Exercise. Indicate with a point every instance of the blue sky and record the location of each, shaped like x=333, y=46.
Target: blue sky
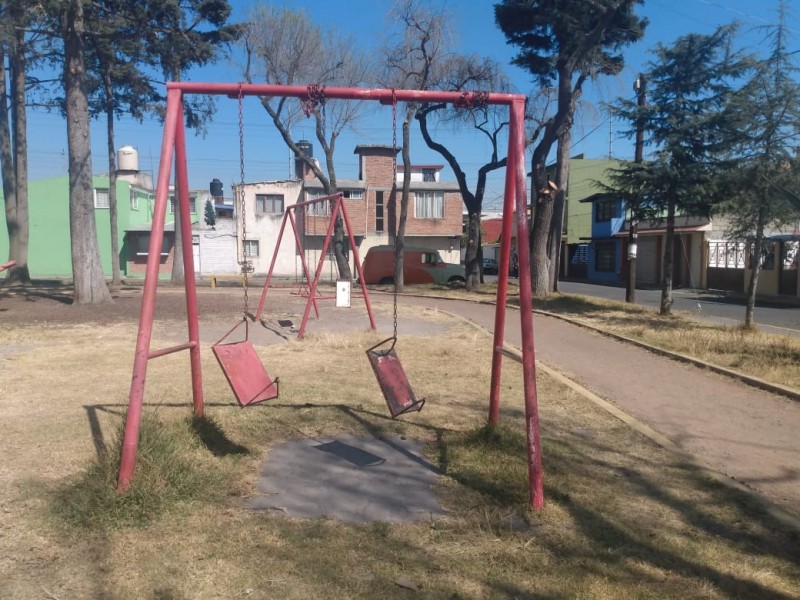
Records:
x=267, y=157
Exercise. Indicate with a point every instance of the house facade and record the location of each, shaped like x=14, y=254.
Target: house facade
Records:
x=49, y=247
x=434, y=210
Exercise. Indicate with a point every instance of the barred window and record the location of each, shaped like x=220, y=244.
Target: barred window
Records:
x=101, y=198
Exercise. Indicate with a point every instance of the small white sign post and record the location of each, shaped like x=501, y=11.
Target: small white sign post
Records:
x=342, y=293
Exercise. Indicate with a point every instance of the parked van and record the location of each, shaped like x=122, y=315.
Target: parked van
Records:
x=420, y=265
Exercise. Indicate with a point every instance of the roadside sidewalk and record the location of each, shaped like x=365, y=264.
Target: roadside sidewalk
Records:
x=746, y=433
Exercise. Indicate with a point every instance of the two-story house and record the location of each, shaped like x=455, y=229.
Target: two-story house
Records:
x=434, y=211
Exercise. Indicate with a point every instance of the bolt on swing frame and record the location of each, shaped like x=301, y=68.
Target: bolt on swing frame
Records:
x=514, y=204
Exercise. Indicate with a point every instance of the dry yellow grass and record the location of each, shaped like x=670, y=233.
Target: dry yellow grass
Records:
x=624, y=518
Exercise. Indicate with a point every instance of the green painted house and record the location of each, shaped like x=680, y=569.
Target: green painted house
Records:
x=583, y=177
x=49, y=252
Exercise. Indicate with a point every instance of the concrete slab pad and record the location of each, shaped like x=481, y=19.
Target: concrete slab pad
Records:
x=352, y=479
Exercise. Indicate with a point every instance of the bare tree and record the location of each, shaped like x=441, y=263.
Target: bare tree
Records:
x=284, y=47
x=469, y=73
x=415, y=59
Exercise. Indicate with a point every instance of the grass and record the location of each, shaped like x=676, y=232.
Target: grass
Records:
x=623, y=518
x=775, y=358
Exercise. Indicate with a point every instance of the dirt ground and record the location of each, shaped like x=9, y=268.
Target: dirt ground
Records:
x=219, y=309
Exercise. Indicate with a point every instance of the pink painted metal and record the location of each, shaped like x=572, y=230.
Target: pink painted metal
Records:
x=516, y=148
x=244, y=370
x=173, y=140
x=7, y=265
x=391, y=376
x=188, y=263
x=135, y=399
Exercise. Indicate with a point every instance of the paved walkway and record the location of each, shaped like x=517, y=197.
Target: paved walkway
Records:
x=747, y=433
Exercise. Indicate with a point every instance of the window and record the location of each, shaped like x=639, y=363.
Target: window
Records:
x=378, y=211
x=134, y=200
x=429, y=205
x=353, y=194
x=430, y=258
x=251, y=247
x=318, y=209
x=143, y=244
x=428, y=175
x=101, y=198
x=605, y=210
x=605, y=257
x=789, y=254
x=192, y=204
x=269, y=203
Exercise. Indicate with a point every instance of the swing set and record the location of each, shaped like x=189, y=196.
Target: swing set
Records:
x=239, y=361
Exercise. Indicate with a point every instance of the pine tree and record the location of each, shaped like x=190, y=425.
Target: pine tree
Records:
x=209, y=216
x=690, y=122
x=765, y=168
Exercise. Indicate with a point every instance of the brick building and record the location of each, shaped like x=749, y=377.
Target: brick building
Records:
x=434, y=210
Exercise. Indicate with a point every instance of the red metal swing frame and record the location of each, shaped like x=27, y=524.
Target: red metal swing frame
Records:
x=339, y=208
x=514, y=207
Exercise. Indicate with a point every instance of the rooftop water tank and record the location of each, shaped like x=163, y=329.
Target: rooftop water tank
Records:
x=127, y=159
x=216, y=188
x=305, y=147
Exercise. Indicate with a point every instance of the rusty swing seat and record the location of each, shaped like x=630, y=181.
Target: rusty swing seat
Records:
x=391, y=376
x=244, y=370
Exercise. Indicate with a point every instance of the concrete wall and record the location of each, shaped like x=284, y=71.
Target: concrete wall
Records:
x=265, y=227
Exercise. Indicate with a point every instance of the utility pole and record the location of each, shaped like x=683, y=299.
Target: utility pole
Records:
x=633, y=224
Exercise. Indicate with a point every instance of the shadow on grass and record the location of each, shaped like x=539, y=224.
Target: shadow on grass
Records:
x=214, y=439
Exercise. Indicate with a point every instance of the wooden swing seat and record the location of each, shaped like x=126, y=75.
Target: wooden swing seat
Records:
x=391, y=376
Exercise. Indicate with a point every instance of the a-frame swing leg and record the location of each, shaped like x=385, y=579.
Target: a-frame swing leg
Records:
x=173, y=131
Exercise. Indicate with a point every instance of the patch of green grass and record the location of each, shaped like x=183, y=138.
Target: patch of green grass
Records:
x=168, y=474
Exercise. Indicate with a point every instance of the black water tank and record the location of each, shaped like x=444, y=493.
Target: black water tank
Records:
x=216, y=188
x=305, y=147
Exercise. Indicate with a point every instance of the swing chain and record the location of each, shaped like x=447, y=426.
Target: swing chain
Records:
x=394, y=189
x=246, y=265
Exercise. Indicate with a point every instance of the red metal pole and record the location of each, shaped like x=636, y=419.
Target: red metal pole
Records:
x=517, y=138
x=358, y=267
x=271, y=266
x=502, y=284
x=188, y=263
x=384, y=96
x=318, y=274
x=301, y=251
x=133, y=418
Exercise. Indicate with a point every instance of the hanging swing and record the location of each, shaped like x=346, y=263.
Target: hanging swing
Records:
x=241, y=365
x=389, y=372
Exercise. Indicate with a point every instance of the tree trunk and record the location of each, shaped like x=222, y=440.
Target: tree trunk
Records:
x=473, y=255
x=14, y=159
x=542, y=218
x=87, y=272
x=559, y=202
x=752, y=287
x=339, y=241
x=669, y=244
x=116, y=275
x=399, y=240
